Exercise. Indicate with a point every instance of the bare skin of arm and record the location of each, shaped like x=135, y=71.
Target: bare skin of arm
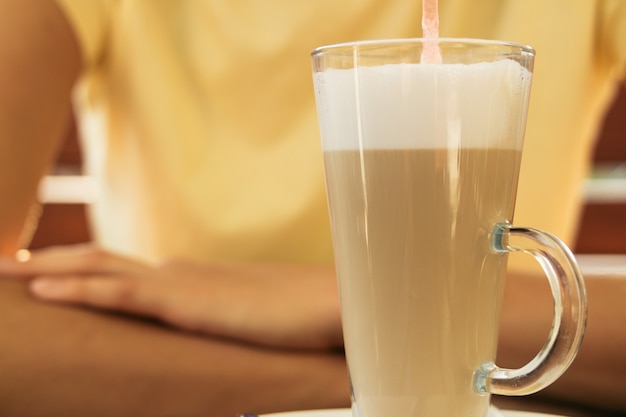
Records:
x=58, y=361
x=274, y=305
x=597, y=377
x=40, y=62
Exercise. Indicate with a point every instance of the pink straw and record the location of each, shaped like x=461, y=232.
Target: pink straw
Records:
x=430, y=31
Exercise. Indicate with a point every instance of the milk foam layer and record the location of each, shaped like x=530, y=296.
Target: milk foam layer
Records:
x=423, y=106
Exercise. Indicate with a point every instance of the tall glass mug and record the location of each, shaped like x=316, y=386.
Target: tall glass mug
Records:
x=422, y=164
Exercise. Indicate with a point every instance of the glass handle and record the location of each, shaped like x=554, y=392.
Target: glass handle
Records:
x=570, y=314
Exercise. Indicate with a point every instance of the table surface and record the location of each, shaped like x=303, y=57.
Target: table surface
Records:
x=508, y=407
x=548, y=407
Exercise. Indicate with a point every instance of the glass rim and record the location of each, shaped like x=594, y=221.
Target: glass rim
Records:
x=328, y=49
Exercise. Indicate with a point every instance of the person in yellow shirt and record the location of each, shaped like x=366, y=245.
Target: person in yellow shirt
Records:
x=198, y=124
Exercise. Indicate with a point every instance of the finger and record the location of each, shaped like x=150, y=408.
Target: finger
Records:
x=120, y=294
x=74, y=259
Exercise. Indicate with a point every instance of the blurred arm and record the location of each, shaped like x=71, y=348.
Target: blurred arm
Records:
x=70, y=362
x=40, y=63
x=597, y=377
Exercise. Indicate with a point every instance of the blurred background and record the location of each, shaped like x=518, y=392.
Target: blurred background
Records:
x=65, y=193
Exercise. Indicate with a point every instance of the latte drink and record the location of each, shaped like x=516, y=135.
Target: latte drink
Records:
x=419, y=282
x=421, y=162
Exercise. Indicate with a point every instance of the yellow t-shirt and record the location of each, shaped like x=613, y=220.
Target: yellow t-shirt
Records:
x=199, y=125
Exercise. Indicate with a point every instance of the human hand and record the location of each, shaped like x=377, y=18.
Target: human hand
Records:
x=276, y=305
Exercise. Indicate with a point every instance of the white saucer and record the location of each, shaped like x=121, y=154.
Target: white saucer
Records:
x=345, y=412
